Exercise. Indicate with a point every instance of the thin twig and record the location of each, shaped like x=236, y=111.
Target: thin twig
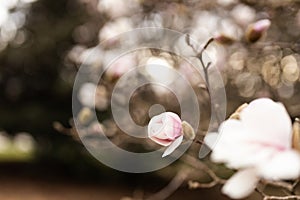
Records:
x=205, y=47
x=200, y=165
x=281, y=184
x=175, y=183
x=295, y=183
x=196, y=184
x=267, y=197
x=205, y=69
x=188, y=41
x=260, y=192
x=281, y=197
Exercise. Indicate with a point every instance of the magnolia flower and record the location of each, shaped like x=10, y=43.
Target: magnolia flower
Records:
x=166, y=130
x=259, y=144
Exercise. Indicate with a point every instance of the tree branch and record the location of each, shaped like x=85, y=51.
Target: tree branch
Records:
x=175, y=183
x=200, y=165
x=281, y=198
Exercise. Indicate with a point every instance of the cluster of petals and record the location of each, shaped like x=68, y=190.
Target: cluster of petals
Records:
x=166, y=130
x=258, y=145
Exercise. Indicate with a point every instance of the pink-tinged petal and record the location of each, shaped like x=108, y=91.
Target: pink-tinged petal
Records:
x=165, y=128
x=249, y=155
x=173, y=115
x=267, y=121
x=262, y=25
x=283, y=165
x=173, y=146
x=233, y=147
x=163, y=142
x=241, y=184
x=155, y=125
x=162, y=135
x=173, y=128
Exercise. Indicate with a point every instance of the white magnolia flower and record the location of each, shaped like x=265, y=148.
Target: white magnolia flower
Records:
x=259, y=144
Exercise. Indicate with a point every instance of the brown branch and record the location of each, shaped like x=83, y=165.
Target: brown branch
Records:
x=205, y=68
x=281, y=198
x=261, y=192
x=200, y=165
x=281, y=184
x=175, y=183
x=295, y=182
x=188, y=41
x=196, y=184
x=199, y=55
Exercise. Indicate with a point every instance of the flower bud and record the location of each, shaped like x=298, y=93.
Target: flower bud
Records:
x=296, y=134
x=188, y=131
x=166, y=130
x=256, y=30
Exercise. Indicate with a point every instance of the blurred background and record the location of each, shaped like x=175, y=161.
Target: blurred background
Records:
x=44, y=42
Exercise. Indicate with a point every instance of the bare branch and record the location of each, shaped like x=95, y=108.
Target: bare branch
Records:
x=196, y=163
x=281, y=198
x=175, y=183
x=188, y=41
x=196, y=184
x=295, y=183
x=199, y=55
x=281, y=184
x=260, y=192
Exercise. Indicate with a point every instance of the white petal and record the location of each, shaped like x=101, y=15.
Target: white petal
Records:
x=283, y=165
x=228, y=144
x=211, y=139
x=249, y=155
x=241, y=184
x=229, y=134
x=173, y=127
x=156, y=125
x=267, y=121
x=173, y=146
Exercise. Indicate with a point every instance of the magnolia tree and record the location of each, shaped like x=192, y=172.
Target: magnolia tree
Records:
x=155, y=87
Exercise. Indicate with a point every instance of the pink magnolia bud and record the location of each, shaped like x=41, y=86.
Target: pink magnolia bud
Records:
x=166, y=130
x=256, y=30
